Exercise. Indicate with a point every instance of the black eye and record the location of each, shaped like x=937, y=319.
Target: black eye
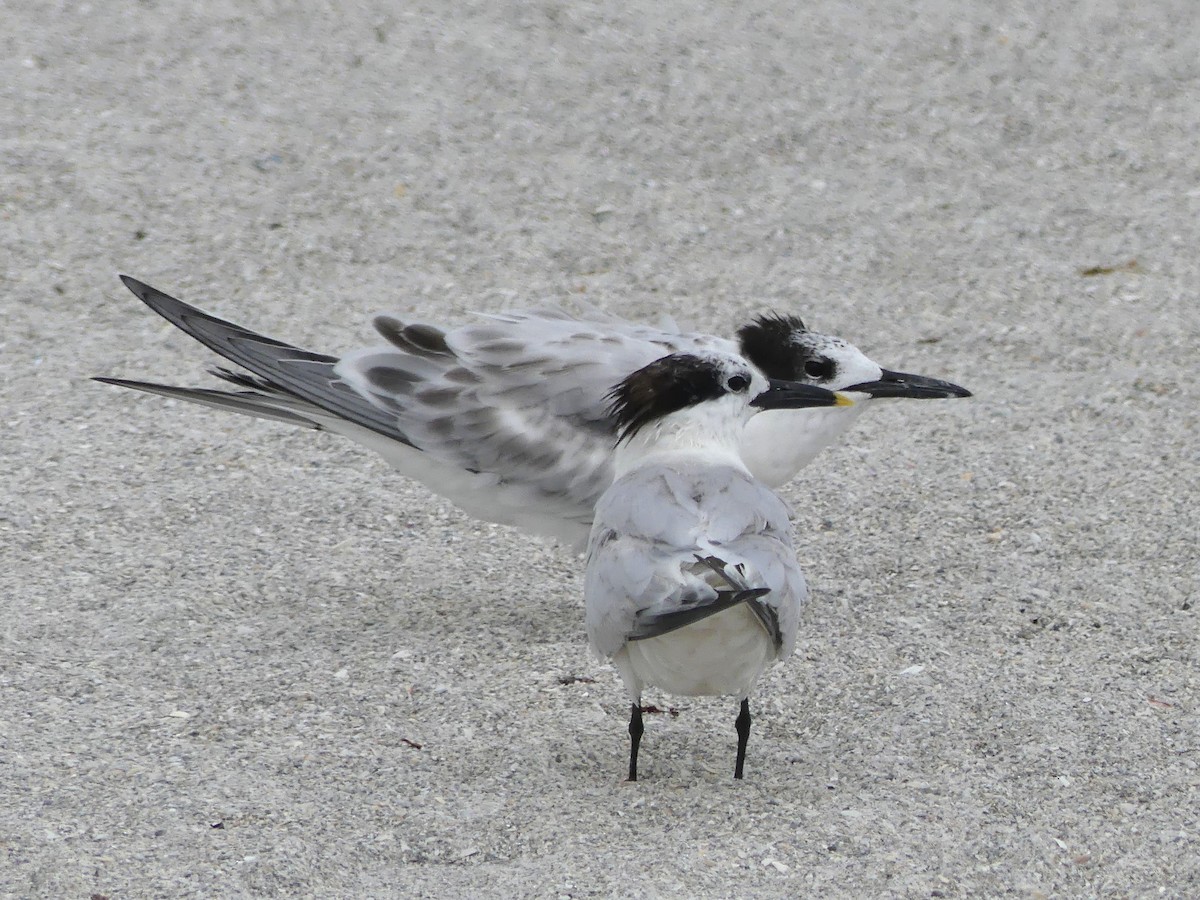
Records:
x=819, y=368
x=738, y=383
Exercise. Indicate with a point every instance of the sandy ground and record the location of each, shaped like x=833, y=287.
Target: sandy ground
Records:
x=239, y=660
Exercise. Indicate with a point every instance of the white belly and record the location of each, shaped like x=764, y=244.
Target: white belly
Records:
x=723, y=655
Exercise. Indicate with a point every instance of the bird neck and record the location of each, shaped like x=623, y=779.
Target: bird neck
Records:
x=715, y=438
x=779, y=442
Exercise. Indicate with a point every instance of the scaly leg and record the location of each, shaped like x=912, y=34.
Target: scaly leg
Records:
x=635, y=738
x=743, y=731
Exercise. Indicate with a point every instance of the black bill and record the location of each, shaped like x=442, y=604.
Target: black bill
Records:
x=902, y=384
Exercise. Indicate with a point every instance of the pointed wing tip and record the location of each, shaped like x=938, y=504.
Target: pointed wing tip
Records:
x=124, y=382
x=133, y=284
x=171, y=308
x=152, y=297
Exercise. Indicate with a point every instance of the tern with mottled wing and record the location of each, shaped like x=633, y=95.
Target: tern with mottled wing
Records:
x=506, y=417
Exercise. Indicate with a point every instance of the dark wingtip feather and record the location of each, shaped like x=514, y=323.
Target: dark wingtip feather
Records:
x=282, y=367
x=649, y=626
x=132, y=283
x=245, y=379
x=250, y=403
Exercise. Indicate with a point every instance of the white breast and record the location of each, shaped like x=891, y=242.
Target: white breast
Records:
x=778, y=443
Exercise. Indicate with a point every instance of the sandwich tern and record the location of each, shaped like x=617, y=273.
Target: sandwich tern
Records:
x=506, y=417
x=692, y=584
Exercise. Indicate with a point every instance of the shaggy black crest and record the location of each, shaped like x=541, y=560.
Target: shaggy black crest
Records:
x=767, y=342
x=665, y=386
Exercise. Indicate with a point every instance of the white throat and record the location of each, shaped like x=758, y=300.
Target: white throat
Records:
x=712, y=430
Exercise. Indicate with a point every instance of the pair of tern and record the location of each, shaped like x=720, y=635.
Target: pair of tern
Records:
x=654, y=447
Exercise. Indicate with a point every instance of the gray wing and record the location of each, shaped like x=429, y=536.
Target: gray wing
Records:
x=649, y=529
x=260, y=404
x=521, y=395
x=506, y=417
x=512, y=395
x=293, y=385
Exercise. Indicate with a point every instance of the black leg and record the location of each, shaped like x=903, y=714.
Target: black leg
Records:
x=743, y=729
x=635, y=739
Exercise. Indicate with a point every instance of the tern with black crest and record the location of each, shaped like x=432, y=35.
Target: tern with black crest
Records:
x=692, y=584
x=506, y=417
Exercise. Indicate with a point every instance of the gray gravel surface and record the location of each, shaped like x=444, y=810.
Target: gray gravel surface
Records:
x=239, y=660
